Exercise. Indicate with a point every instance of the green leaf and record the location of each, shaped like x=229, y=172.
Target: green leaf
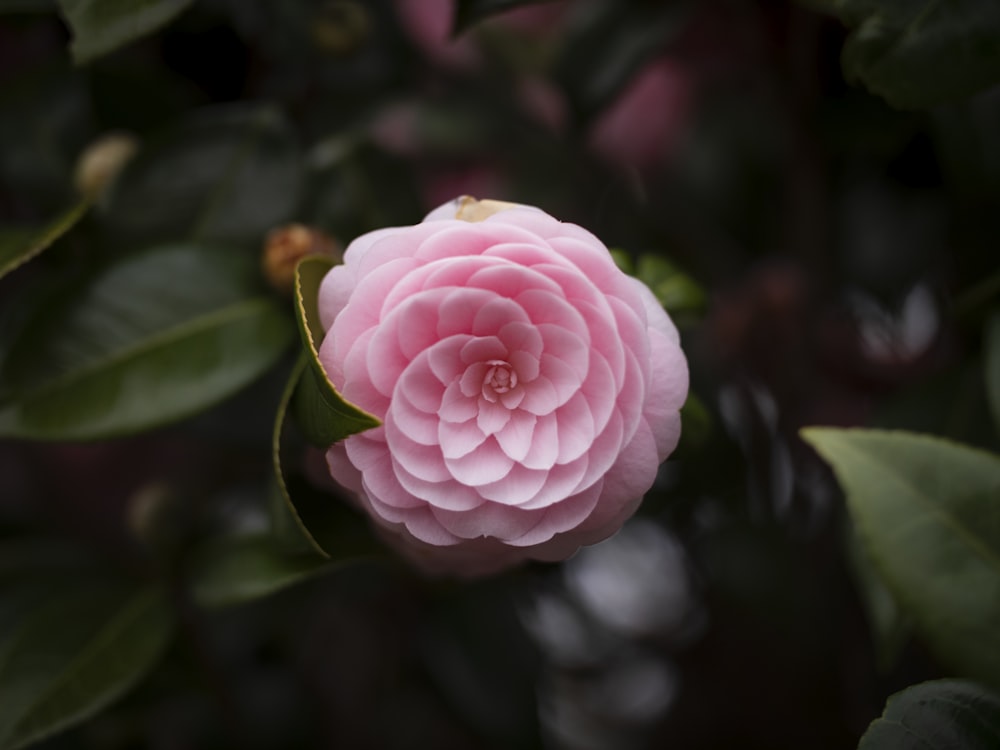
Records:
x=928, y=513
x=470, y=12
x=234, y=570
x=18, y=246
x=100, y=26
x=321, y=412
x=157, y=337
x=74, y=655
x=919, y=53
x=993, y=365
x=302, y=513
x=223, y=174
x=939, y=715
x=675, y=290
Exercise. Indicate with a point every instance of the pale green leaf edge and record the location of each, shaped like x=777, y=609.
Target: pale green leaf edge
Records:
x=308, y=330
x=279, y=475
x=43, y=239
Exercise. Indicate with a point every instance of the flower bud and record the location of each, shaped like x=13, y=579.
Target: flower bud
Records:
x=285, y=246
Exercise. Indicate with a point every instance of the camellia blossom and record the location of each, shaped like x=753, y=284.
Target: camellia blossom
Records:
x=528, y=388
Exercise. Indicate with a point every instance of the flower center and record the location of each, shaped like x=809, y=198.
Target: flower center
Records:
x=500, y=377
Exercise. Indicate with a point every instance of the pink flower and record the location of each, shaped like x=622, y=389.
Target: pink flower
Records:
x=528, y=388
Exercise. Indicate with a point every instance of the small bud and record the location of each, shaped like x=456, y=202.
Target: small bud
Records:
x=102, y=161
x=286, y=246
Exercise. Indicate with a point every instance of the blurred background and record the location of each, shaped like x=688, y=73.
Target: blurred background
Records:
x=826, y=256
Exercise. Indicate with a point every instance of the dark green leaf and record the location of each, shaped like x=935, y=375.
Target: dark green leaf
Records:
x=927, y=512
x=240, y=569
x=21, y=245
x=302, y=513
x=74, y=655
x=228, y=174
x=992, y=350
x=939, y=715
x=469, y=12
x=322, y=413
x=160, y=336
x=918, y=53
x=100, y=26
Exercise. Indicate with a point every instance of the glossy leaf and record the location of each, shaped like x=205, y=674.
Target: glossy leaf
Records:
x=939, y=715
x=322, y=413
x=101, y=26
x=157, y=337
x=229, y=174
x=993, y=365
x=918, y=53
x=304, y=514
x=74, y=655
x=470, y=12
x=241, y=569
x=927, y=512
x=19, y=246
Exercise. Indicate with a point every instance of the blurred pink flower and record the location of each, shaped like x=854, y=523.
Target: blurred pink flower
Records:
x=528, y=388
x=644, y=125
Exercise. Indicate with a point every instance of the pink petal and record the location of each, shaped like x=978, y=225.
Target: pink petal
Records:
x=422, y=461
x=509, y=280
x=522, y=336
x=668, y=390
x=420, y=386
x=600, y=390
x=548, y=307
x=416, y=424
x=540, y=396
x=495, y=315
x=544, y=448
x=576, y=429
x=561, y=517
x=561, y=481
x=454, y=240
x=564, y=379
x=415, y=322
x=445, y=359
x=490, y=520
x=471, y=383
x=513, y=398
x=458, y=439
x=456, y=406
x=484, y=465
x=458, y=310
x=592, y=258
x=492, y=417
x=515, y=437
x=449, y=494
x=518, y=486
x=341, y=468
x=566, y=345
x=380, y=483
x=482, y=349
